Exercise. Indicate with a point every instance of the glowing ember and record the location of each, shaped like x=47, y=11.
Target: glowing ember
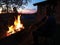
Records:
x=16, y=27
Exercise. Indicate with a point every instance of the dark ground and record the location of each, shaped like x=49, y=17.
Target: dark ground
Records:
x=58, y=35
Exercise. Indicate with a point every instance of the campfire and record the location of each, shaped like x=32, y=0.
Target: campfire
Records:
x=17, y=26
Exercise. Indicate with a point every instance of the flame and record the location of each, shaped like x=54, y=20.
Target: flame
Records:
x=0, y=10
x=16, y=27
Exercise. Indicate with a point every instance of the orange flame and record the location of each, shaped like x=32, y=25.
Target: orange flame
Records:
x=16, y=27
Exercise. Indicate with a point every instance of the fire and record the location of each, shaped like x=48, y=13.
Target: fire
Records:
x=0, y=10
x=16, y=27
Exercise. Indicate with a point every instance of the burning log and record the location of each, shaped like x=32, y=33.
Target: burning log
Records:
x=13, y=39
x=18, y=26
x=21, y=37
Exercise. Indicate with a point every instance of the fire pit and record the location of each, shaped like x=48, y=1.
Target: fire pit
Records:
x=16, y=34
x=13, y=34
x=18, y=26
x=13, y=39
